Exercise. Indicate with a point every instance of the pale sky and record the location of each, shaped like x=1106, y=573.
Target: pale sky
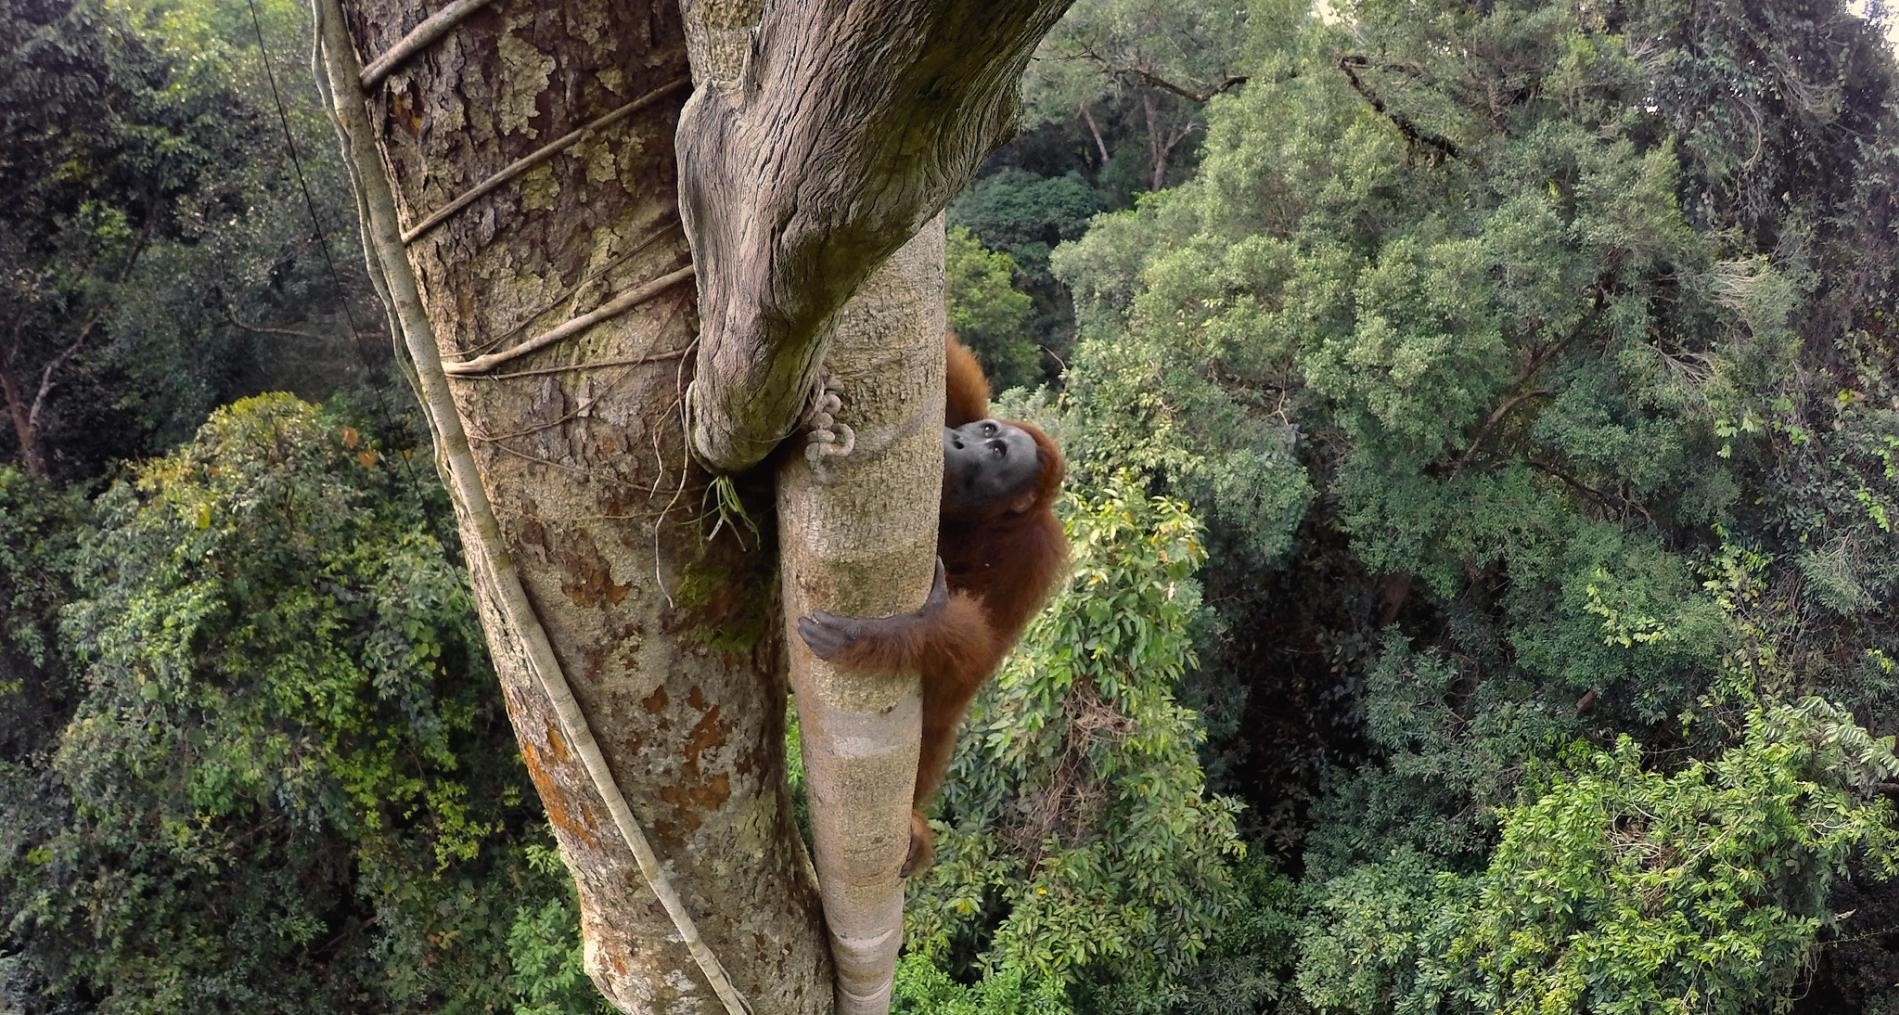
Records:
x=1892, y=23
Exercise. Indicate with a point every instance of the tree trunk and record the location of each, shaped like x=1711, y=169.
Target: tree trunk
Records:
x=516, y=173
x=578, y=504
x=26, y=431
x=813, y=148
x=857, y=535
x=1157, y=149
x=1101, y=146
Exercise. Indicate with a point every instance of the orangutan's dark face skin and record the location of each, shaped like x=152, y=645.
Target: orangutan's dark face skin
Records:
x=985, y=463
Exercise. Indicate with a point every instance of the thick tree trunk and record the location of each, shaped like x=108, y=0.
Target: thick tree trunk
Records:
x=517, y=175
x=578, y=503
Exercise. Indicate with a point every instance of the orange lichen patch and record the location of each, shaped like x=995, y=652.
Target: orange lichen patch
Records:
x=593, y=587
x=708, y=795
x=706, y=735
x=406, y=113
x=588, y=578
x=563, y=821
x=575, y=821
x=555, y=743
x=696, y=792
x=655, y=703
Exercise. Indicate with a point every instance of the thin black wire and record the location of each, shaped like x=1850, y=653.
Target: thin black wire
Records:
x=342, y=293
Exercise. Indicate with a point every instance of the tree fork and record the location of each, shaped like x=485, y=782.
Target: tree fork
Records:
x=843, y=129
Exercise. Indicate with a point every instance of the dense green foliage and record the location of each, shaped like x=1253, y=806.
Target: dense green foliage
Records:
x=1484, y=470
x=1534, y=356
x=1626, y=890
x=1116, y=100
x=39, y=533
x=284, y=782
x=1076, y=803
x=989, y=313
x=157, y=251
x=1621, y=889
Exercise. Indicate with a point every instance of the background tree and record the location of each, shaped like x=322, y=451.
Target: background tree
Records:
x=988, y=313
x=1138, y=70
x=276, y=292
x=1500, y=364
x=159, y=251
x=1115, y=105
x=115, y=150
x=283, y=783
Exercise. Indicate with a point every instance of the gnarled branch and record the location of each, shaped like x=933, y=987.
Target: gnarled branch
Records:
x=1200, y=96
x=1441, y=146
x=849, y=125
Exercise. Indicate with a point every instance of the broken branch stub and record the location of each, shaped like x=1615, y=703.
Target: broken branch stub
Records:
x=850, y=125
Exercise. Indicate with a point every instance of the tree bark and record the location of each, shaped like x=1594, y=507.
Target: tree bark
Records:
x=578, y=504
x=26, y=431
x=811, y=150
x=1101, y=146
x=857, y=535
x=809, y=153
x=517, y=174
x=849, y=124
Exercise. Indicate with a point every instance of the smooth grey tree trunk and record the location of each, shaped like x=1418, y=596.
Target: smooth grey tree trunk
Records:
x=857, y=534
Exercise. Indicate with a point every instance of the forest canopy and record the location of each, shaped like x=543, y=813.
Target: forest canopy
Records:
x=1482, y=422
